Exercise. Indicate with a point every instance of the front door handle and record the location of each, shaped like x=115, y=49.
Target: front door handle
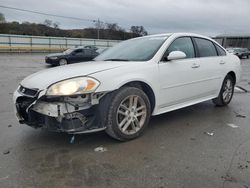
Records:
x=222, y=62
x=195, y=66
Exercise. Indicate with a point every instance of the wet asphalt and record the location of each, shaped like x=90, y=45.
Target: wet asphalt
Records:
x=191, y=147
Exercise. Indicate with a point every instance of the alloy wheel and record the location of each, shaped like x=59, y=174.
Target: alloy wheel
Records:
x=63, y=62
x=131, y=114
x=227, y=91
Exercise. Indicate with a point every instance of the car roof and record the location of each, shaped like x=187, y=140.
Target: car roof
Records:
x=180, y=34
x=82, y=47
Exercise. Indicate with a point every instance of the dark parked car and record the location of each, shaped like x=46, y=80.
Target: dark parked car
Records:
x=240, y=52
x=71, y=56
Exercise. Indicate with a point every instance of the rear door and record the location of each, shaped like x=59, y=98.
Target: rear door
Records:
x=211, y=65
x=223, y=58
x=88, y=55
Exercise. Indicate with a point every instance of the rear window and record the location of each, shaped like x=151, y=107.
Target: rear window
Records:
x=205, y=47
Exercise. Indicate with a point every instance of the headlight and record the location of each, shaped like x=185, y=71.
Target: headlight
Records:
x=73, y=86
x=53, y=58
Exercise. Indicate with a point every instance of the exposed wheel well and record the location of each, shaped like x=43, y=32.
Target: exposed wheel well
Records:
x=146, y=89
x=233, y=76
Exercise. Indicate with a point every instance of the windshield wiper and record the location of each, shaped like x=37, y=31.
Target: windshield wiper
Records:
x=116, y=60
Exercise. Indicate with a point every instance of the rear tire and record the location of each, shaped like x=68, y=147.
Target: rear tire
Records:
x=128, y=113
x=226, y=92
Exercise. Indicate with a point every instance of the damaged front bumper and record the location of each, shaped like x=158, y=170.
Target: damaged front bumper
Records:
x=70, y=114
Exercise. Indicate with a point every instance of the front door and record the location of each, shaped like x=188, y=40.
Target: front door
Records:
x=181, y=81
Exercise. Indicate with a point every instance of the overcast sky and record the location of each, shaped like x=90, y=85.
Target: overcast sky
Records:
x=210, y=17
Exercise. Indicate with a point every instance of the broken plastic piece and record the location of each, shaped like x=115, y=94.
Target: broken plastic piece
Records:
x=3, y=178
x=72, y=140
x=240, y=89
x=232, y=125
x=241, y=116
x=6, y=152
x=100, y=149
x=209, y=133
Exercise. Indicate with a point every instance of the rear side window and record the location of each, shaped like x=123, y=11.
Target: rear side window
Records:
x=183, y=44
x=220, y=51
x=87, y=52
x=205, y=47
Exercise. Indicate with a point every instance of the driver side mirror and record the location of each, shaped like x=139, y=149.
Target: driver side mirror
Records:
x=175, y=55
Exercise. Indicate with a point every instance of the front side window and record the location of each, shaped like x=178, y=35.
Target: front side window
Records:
x=220, y=51
x=205, y=47
x=183, y=44
x=78, y=52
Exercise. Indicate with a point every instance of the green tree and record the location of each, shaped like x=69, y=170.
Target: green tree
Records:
x=56, y=25
x=47, y=22
x=138, y=30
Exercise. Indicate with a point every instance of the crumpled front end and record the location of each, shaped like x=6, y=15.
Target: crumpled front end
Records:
x=71, y=114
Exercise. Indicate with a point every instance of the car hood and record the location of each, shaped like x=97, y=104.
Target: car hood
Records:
x=43, y=79
x=55, y=54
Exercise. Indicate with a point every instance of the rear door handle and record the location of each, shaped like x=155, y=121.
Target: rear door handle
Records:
x=195, y=66
x=222, y=62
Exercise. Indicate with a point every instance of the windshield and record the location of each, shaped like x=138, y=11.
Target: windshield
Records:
x=68, y=51
x=138, y=49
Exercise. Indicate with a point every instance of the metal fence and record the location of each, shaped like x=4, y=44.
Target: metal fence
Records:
x=25, y=43
x=228, y=41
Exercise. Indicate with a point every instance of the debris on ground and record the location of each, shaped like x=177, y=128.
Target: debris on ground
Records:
x=246, y=186
x=100, y=149
x=242, y=167
x=162, y=147
x=5, y=152
x=193, y=139
x=228, y=178
x=9, y=125
x=232, y=125
x=3, y=178
x=72, y=140
x=209, y=133
x=240, y=115
x=240, y=89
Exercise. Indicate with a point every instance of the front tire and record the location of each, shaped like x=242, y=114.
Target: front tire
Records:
x=226, y=92
x=63, y=62
x=128, y=114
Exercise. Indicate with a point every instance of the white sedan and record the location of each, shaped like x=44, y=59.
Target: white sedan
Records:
x=125, y=85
